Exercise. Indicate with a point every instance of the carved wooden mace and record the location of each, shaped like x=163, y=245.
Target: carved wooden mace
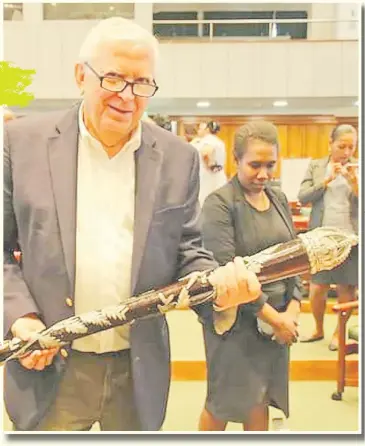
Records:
x=317, y=250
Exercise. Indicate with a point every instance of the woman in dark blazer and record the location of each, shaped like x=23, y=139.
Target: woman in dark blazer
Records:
x=248, y=365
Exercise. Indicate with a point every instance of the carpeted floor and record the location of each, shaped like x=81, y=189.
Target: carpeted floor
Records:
x=311, y=406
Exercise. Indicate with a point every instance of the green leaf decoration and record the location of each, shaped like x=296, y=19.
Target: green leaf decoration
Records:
x=13, y=82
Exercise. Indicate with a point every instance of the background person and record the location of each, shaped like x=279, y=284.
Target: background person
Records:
x=212, y=153
x=330, y=185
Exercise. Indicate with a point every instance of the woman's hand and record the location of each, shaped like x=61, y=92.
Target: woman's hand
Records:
x=350, y=174
x=335, y=170
x=284, y=325
x=286, y=331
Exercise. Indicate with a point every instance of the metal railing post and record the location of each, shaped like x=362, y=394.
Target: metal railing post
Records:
x=211, y=31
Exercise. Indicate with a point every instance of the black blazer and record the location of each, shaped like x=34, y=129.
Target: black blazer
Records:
x=224, y=214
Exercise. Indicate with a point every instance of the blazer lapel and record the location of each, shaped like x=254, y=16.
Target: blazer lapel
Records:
x=62, y=151
x=283, y=211
x=322, y=167
x=148, y=160
x=238, y=199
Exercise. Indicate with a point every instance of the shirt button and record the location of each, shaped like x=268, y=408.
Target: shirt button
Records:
x=69, y=302
x=64, y=352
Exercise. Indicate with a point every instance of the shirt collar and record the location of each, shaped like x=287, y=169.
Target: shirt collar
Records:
x=132, y=144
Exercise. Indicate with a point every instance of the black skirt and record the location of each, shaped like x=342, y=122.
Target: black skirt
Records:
x=345, y=274
x=245, y=369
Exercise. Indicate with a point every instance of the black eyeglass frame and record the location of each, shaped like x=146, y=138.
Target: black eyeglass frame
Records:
x=127, y=83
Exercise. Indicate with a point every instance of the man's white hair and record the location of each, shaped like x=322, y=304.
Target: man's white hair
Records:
x=116, y=29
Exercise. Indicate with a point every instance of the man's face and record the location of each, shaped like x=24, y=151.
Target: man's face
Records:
x=112, y=117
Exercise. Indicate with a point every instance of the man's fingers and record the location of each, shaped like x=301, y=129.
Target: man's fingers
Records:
x=225, y=281
x=38, y=359
x=235, y=285
x=29, y=361
x=246, y=277
x=253, y=284
x=241, y=274
x=232, y=281
x=242, y=279
x=248, y=282
x=216, y=280
x=52, y=353
x=41, y=363
x=241, y=269
x=49, y=359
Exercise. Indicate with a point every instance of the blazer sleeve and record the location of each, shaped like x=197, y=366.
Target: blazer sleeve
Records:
x=191, y=255
x=18, y=300
x=310, y=191
x=218, y=229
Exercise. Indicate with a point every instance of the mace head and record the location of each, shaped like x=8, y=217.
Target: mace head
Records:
x=327, y=247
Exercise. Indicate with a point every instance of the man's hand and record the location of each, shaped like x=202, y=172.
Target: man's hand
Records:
x=235, y=285
x=26, y=328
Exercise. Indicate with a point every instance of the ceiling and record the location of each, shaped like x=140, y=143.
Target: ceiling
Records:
x=341, y=106
x=254, y=106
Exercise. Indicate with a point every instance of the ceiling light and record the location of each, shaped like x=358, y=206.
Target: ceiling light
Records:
x=203, y=104
x=356, y=103
x=280, y=103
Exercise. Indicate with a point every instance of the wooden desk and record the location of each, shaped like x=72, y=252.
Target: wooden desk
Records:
x=301, y=222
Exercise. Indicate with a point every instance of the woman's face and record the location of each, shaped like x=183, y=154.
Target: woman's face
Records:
x=202, y=130
x=343, y=148
x=256, y=167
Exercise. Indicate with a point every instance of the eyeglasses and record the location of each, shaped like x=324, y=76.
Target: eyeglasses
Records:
x=117, y=84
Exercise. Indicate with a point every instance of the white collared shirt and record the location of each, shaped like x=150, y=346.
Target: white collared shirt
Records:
x=337, y=208
x=104, y=233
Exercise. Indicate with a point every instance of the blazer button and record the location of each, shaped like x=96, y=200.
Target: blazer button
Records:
x=63, y=352
x=69, y=302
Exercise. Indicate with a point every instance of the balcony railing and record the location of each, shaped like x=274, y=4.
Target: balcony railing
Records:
x=258, y=29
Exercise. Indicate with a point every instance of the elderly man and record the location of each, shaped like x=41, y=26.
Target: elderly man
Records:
x=103, y=206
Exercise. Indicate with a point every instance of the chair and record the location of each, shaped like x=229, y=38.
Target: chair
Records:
x=345, y=349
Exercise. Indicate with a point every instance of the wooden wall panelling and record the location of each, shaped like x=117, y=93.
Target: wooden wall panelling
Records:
x=299, y=136
x=312, y=140
x=324, y=140
x=231, y=167
x=295, y=141
x=283, y=149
